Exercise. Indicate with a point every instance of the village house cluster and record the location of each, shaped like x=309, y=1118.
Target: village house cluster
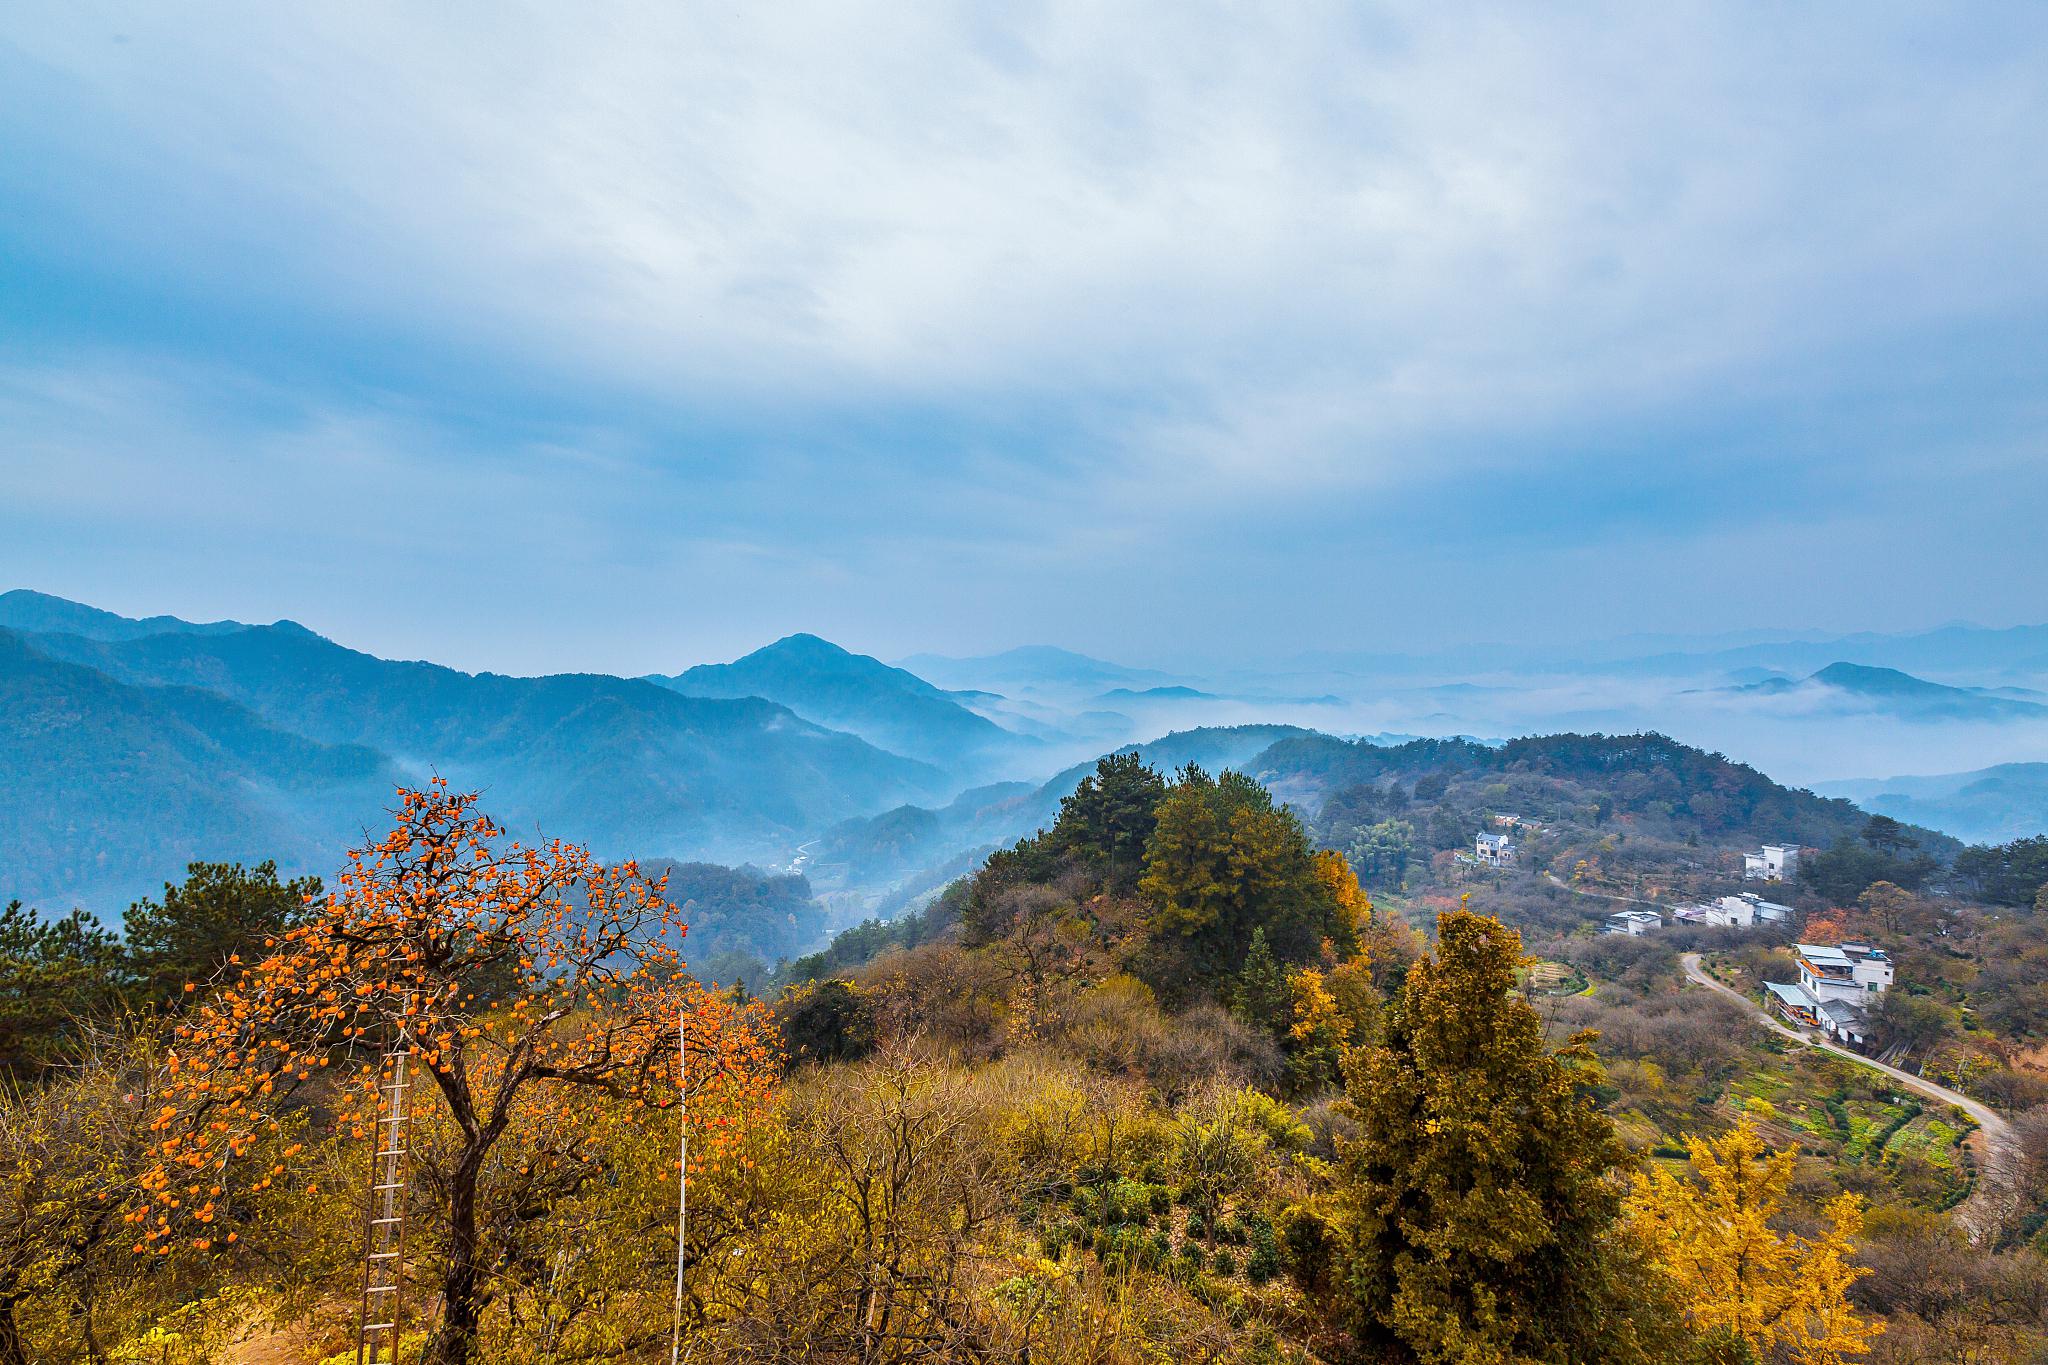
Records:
x=1745, y=911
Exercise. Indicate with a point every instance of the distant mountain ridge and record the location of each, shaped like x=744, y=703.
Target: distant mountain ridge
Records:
x=1992, y=805
x=623, y=765
x=1036, y=666
x=24, y=609
x=889, y=707
x=1901, y=694
x=111, y=788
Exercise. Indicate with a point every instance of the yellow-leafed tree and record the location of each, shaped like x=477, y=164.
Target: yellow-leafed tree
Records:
x=1739, y=1277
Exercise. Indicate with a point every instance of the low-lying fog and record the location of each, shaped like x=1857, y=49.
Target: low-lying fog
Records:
x=1804, y=735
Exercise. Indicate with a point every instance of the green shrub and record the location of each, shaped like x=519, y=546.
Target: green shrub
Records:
x=1264, y=1262
x=1307, y=1248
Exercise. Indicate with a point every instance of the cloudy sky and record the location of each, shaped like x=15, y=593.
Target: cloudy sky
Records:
x=622, y=337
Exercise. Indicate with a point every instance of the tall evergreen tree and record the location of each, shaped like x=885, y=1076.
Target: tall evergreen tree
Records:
x=220, y=916
x=1109, y=818
x=54, y=972
x=1262, y=998
x=1478, y=1203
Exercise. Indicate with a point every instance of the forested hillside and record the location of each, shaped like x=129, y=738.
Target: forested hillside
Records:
x=109, y=787
x=1149, y=1084
x=274, y=740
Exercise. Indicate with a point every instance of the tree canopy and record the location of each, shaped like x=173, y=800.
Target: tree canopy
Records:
x=1224, y=861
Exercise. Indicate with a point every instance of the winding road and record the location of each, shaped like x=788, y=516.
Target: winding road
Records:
x=1999, y=1153
x=1998, y=1175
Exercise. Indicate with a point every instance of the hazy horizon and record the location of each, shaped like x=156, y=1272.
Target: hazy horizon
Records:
x=1188, y=663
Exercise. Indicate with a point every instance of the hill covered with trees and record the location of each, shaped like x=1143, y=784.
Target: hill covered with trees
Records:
x=1160, y=1080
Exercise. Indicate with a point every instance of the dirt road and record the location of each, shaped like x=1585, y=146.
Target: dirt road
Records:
x=1998, y=1168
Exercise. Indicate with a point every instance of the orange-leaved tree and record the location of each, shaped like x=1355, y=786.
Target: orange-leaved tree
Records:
x=527, y=982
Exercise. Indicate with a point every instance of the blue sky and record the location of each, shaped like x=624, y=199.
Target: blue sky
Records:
x=527, y=338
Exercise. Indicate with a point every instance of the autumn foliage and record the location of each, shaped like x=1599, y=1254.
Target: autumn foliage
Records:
x=528, y=984
x=1737, y=1274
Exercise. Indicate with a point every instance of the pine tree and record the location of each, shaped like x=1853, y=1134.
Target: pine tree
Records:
x=1738, y=1277
x=1477, y=1209
x=1263, y=997
x=1224, y=860
x=206, y=927
x=1109, y=818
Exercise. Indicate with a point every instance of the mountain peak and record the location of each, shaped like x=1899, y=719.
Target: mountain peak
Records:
x=832, y=686
x=1870, y=678
x=803, y=644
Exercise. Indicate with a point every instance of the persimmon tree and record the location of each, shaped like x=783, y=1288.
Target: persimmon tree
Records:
x=528, y=982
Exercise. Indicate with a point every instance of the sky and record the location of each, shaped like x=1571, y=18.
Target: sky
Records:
x=544, y=337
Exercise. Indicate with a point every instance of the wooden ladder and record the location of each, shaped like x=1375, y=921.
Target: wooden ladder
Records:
x=384, y=1237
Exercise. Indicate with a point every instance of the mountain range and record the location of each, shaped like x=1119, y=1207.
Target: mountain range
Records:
x=276, y=739
x=1989, y=805
x=1040, y=668
x=134, y=745
x=1861, y=687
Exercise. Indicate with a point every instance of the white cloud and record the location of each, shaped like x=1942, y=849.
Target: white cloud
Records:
x=1299, y=242
x=1149, y=327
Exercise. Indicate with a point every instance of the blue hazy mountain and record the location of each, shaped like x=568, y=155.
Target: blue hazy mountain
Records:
x=1862, y=687
x=1988, y=806
x=889, y=707
x=112, y=788
x=1953, y=649
x=1959, y=649
x=620, y=764
x=23, y=609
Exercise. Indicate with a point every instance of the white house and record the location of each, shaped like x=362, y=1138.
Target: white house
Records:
x=1495, y=850
x=1634, y=923
x=1771, y=863
x=1855, y=972
x=1837, y=983
x=1736, y=912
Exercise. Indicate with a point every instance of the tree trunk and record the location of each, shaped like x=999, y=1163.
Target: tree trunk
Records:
x=461, y=1307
